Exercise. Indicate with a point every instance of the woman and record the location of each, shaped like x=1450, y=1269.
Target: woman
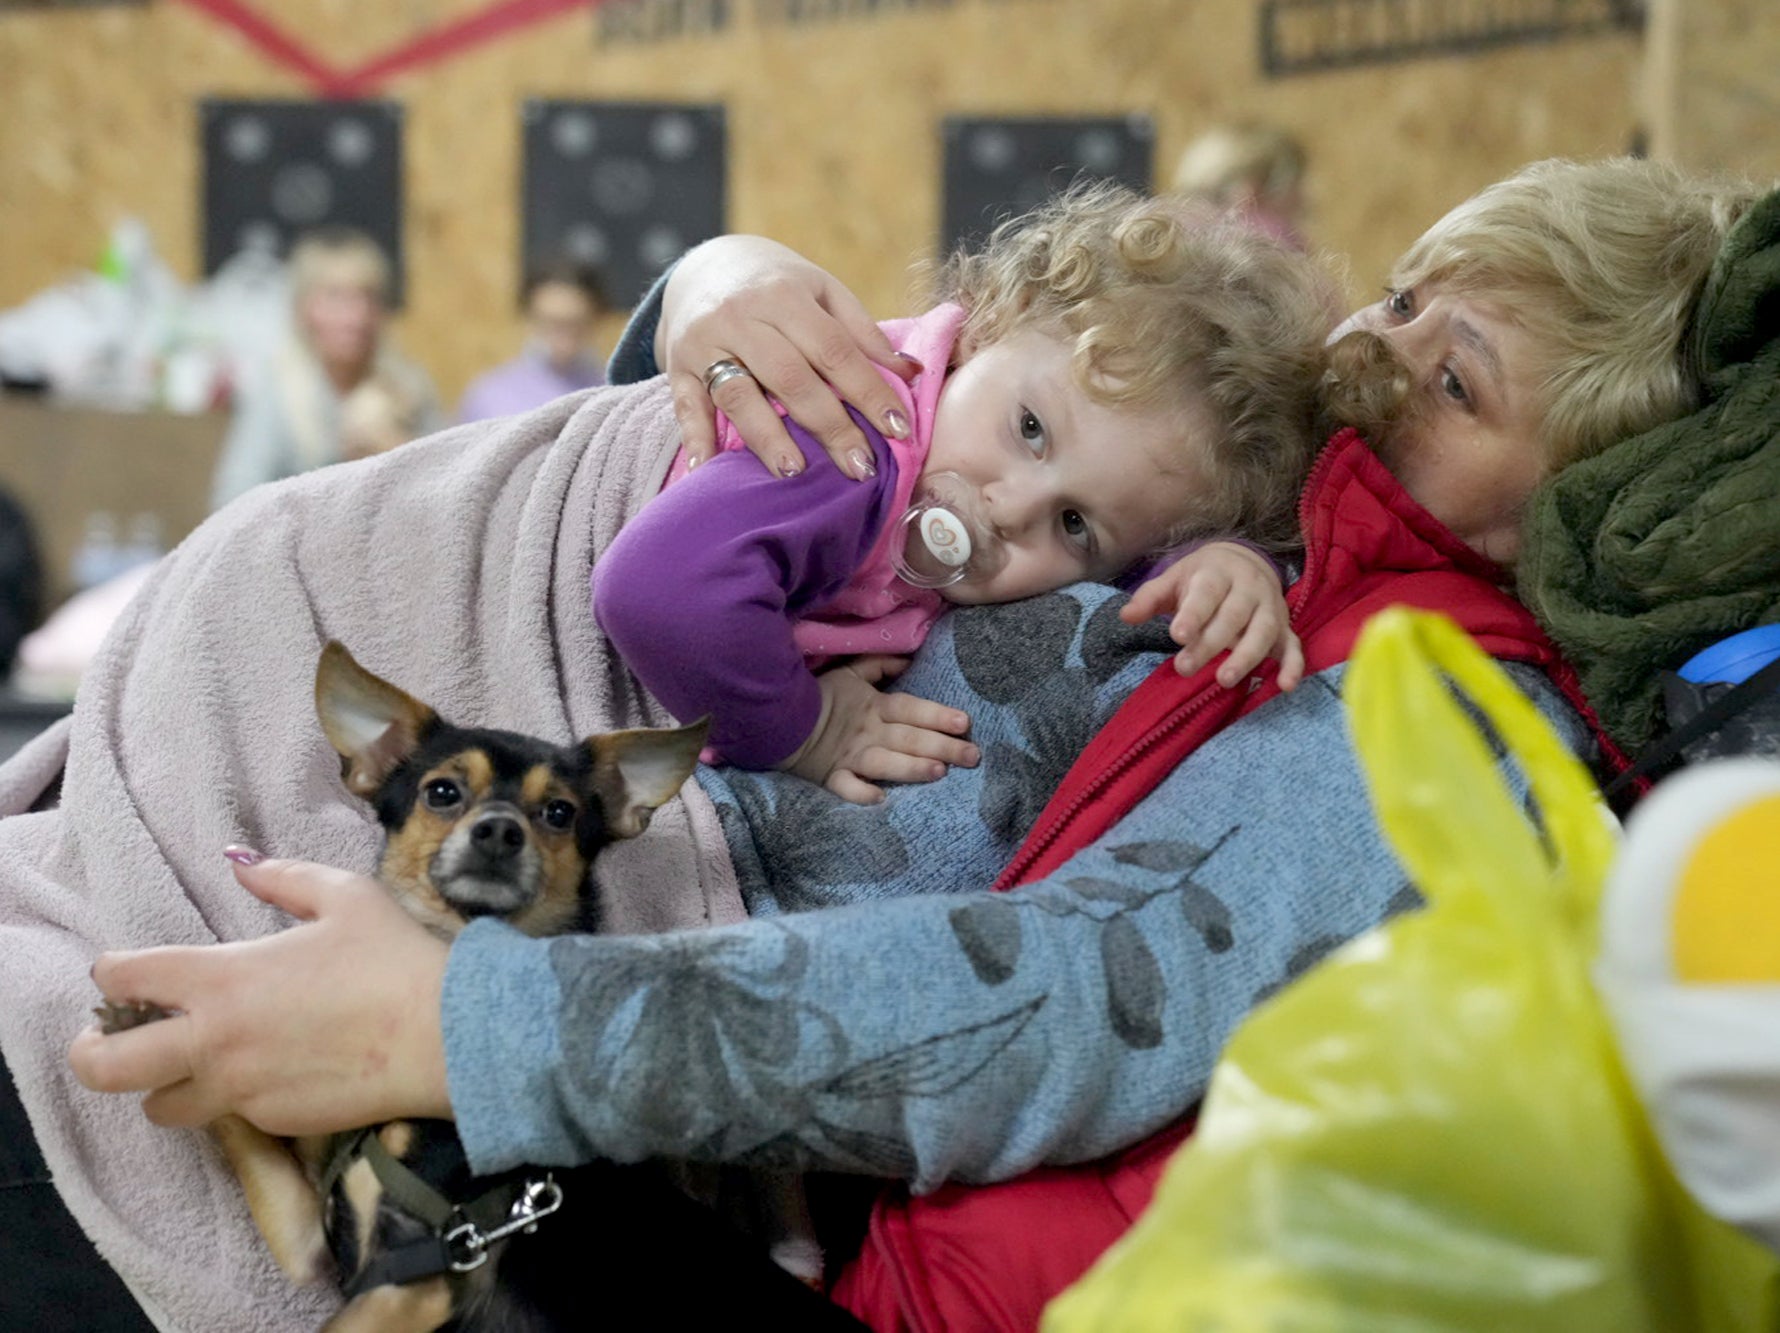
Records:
x=337, y=389
x=562, y=302
x=1255, y=170
x=1187, y=869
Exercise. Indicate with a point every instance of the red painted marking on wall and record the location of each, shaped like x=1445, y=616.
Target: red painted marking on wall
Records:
x=427, y=48
x=455, y=37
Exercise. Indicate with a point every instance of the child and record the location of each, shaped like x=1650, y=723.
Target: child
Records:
x=1110, y=376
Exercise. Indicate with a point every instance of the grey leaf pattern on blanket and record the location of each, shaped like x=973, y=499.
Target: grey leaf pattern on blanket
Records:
x=1108, y=642
x=936, y=1065
x=1408, y=898
x=710, y=1029
x=1038, y=678
x=1021, y=661
x=1134, y=986
x=713, y=1039
x=1005, y=650
x=1206, y=912
x=1058, y=717
x=988, y=929
x=828, y=832
x=1301, y=962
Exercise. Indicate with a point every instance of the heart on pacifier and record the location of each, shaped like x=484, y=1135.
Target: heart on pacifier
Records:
x=947, y=539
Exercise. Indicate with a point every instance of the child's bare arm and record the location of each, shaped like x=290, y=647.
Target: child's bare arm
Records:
x=865, y=736
x=1222, y=595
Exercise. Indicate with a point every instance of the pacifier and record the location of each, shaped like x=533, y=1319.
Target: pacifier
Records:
x=944, y=538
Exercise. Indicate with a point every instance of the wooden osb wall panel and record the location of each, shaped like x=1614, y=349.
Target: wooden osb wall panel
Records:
x=833, y=127
x=1714, y=88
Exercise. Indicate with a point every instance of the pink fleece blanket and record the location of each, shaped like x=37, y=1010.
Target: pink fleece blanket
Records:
x=456, y=567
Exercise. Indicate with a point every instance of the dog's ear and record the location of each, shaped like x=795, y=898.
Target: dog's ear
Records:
x=370, y=722
x=635, y=771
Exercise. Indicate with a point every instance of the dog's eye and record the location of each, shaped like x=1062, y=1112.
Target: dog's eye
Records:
x=442, y=794
x=559, y=814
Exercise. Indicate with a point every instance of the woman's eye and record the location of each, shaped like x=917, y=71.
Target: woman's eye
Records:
x=559, y=814
x=442, y=794
x=1032, y=430
x=1400, y=301
x=1453, y=387
x=1076, y=529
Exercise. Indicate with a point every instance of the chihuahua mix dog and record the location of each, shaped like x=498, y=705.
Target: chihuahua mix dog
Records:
x=477, y=822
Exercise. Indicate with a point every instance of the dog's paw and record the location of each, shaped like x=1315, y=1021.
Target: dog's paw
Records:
x=121, y=1016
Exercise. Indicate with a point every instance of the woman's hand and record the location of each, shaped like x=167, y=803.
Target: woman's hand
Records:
x=803, y=338
x=326, y=1026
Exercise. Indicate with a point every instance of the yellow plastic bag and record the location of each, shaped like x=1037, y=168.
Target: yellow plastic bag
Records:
x=1431, y=1129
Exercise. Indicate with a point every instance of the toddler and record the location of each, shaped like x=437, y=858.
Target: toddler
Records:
x=1109, y=377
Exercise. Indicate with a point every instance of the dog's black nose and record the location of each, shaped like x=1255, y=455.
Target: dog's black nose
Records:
x=497, y=836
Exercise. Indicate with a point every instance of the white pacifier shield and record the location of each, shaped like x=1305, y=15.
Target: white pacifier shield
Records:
x=946, y=538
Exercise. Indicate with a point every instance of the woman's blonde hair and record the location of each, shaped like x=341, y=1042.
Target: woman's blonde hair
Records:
x=329, y=252
x=1227, y=160
x=1168, y=303
x=1601, y=263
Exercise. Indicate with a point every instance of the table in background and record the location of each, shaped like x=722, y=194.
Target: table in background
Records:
x=64, y=463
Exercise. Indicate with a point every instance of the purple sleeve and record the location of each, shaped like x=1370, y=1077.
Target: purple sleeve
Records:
x=699, y=592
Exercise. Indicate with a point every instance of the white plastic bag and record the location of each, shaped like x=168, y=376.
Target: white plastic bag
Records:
x=1690, y=968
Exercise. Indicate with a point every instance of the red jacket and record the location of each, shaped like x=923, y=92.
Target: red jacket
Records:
x=990, y=1257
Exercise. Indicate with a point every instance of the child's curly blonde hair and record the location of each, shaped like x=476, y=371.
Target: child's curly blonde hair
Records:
x=1167, y=302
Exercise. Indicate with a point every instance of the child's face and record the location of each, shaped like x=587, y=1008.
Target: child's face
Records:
x=1073, y=489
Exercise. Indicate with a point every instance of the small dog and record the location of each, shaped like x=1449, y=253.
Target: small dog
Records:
x=477, y=823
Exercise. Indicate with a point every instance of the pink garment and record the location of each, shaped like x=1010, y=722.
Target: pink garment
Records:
x=877, y=612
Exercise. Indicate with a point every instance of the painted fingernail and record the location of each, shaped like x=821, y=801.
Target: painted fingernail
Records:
x=691, y=462
x=914, y=361
x=895, y=423
x=244, y=856
x=790, y=466
x=862, y=465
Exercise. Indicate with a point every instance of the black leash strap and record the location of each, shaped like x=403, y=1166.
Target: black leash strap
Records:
x=1709, y=719
x=459, y=1236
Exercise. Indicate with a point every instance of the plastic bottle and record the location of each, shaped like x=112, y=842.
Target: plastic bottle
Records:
x=96, y=558
x=143, y=546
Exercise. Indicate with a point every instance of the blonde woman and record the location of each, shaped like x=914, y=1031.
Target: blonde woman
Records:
x=337, y=389
x=1255, y=171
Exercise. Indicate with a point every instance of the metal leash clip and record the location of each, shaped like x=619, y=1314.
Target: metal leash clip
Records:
x=468, y=1245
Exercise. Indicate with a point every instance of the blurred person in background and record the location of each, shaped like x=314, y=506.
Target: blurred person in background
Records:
x=562, y=301
x=1253, y=170
x=337, y=389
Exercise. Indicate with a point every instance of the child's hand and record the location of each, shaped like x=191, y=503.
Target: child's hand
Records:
x=865, y=734
x=1222, y=596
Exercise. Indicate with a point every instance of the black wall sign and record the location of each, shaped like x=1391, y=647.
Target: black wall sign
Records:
x=995, y=169
x=273, y=170
x=1304, y=36
x=624, y=187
